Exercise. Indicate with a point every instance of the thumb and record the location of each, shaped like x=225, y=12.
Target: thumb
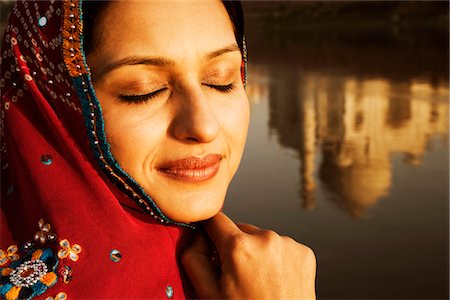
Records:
x=196, y=261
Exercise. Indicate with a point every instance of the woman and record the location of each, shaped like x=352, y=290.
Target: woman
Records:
x=113, y=211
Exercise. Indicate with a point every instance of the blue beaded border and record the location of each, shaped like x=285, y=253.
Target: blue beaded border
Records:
x=100, y=147
x=94, y=122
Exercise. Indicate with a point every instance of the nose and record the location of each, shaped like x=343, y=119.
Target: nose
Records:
x=194, y=120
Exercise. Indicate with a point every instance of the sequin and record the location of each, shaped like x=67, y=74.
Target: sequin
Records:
x=44, y=234
x=115, y=255
x=9, y=255
x=27, y=246
x=69, y=251
x=46, y=159
x=59, y=296
x=169, y=292
x=42, y=21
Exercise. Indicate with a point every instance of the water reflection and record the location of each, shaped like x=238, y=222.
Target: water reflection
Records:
x=345, y=129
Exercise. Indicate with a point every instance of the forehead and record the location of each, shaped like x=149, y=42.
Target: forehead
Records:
x=176, y=29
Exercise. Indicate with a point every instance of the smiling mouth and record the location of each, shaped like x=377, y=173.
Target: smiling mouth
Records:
x=192, y=169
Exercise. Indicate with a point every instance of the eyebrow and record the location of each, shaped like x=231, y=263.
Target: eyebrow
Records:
x=159, y=61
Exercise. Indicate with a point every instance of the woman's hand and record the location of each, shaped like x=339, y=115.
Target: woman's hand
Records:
x=254, y=263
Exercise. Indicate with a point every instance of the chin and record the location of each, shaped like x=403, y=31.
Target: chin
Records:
x=192, y=208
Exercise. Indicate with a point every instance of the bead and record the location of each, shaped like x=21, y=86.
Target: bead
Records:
x=28, y=273
x=115, y=255
x=51, y=237
x=46, y=159
x=27, y=246
x=169, y=292
x=71, y=16
x=61, y=296
x=14, y=84
x=72, y=26
x=50, y=81
x=67, y=94
x=42, y=21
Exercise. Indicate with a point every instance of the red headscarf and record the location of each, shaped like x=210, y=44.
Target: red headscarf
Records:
x=73, y=223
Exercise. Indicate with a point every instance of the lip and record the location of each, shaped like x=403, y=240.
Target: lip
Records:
x=191, y=169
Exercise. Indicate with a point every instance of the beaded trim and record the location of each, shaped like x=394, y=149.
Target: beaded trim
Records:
x=75, y=61
x=244, y=62
x=76, y=64
x=72, y=29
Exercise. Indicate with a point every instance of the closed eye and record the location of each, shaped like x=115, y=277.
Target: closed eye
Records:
x=141, y=98
x=222, y=88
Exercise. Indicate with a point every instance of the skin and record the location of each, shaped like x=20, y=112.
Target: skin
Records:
x=191, y=117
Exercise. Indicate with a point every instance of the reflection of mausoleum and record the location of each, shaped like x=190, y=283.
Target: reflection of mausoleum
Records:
x=351, y=127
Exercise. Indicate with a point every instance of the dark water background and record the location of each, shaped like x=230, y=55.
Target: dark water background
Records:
x=348, y=143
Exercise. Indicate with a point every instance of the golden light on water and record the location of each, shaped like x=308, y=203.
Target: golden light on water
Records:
x=346, y=129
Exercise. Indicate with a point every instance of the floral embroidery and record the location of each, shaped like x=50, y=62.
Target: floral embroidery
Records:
x=29, y=277
x=66, y=273
x=38, y=270
x=44, y=234
x=59, y=296
x=9, y=255
x=69, y=251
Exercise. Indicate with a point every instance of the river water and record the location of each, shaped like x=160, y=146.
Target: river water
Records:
x=348, y=153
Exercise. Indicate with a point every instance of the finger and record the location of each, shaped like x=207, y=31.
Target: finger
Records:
x=249, y=228
x=220, y=228
x=196, y=261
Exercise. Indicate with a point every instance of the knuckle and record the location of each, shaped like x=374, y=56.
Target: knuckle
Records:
x=240, y=247
x=236, y=241
x=309, y=257
x=271, y=236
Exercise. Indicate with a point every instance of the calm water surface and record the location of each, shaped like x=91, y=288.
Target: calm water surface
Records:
x=348, y=153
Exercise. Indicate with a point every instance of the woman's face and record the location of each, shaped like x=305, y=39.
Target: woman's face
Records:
x=167, y=75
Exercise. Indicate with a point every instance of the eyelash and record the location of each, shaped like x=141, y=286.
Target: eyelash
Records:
x=141, y=98
x=145, y=97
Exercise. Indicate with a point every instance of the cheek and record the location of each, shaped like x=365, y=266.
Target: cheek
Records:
x=133, y=134
x=234, y=119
